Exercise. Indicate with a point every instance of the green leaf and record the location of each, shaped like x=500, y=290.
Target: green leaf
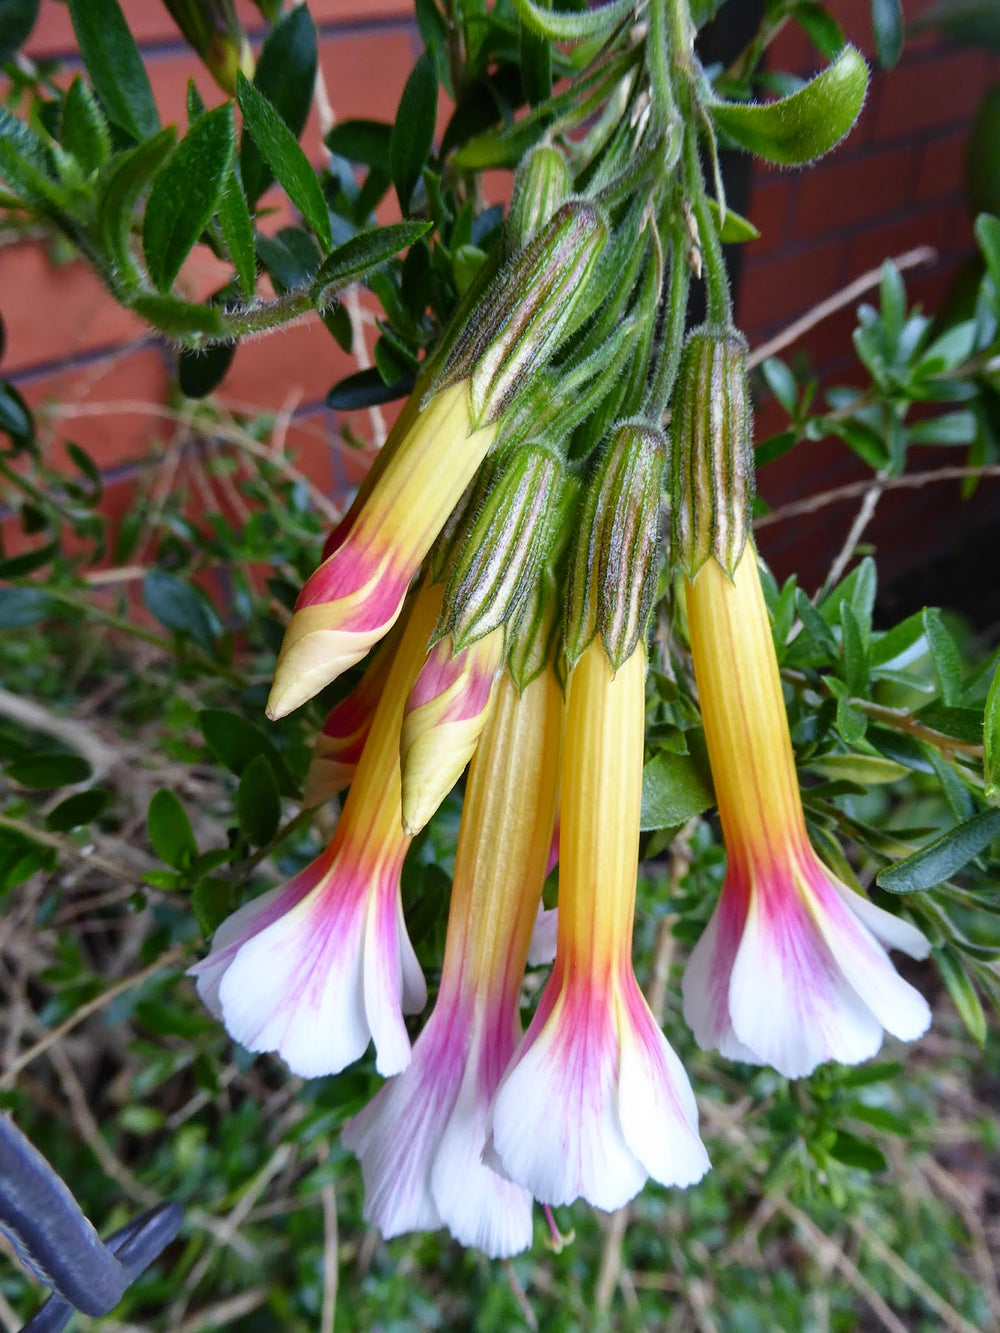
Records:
x=965, y=724
x=365, y=388
x=81, y=808
x=536, y=64
x=973, y=22
x=17, y=18
x=181, y=607
x=285, y=77
x=234, y=218
x=23, y=165
x=560, y=26
x=364, y=141
x=20, y=858
x=212, y=900
x=675, y=788
x=186, y=193
x=736, y=229
x=945, y=656
x=412, y=135
x=364, y=252
x=942, y=858
x=962, y=992
x=991, y=742
x=807, y=124
x=183, y=320
x=16, y=566
x=855, y=651
x=115, y=66
x=170, y=833
x=948, y=428
x=199, y=372
x=887, y=27
x=15, y=415
x=26, y=606
x=84, y=131
x=281, y=152
x=855, y=1151
x=235, y=742
x=867, y=770
x=258, y=802
x=988, y=235
x=43, y=771
x=121, y=183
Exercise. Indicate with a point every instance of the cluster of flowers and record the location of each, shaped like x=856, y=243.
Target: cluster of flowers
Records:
x=484, y=659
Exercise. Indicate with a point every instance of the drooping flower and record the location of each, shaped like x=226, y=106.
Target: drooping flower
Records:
x=420, y=1140
x=791, y=970
x=445, y=713
x=356, y=594
x=318, y=969
x=595, y=1100
x=432, y=453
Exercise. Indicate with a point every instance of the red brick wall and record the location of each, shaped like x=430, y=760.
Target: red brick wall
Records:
x=896, y=183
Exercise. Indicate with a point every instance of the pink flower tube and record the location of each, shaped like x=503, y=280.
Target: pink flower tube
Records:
x=318, y=969
x=792, y=969
x=420, y=1141
x=595, y=1100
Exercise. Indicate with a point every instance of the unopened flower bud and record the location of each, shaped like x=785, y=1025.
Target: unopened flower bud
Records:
x=542, y=183
x=444, y=716
x=614, y=564
x=530, y=647
x=523, y=313
x=498, y=549
x=212, y=29
x=711, y=432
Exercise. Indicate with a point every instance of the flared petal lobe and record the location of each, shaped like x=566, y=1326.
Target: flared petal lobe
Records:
x=420, y=1141
x=317, y=970
x=790, y=970
x=356, y=594
x=595, y=1100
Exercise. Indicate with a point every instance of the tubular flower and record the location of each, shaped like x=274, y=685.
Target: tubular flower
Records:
x=316, y=970
x=791, y=970
x=442, y=436
x=595, y=1099
x=356, y=594
x=340, y=744
x=445, y=713
x=420, y=1140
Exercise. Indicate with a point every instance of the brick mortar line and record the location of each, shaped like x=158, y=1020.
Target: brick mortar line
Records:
x=167, y=47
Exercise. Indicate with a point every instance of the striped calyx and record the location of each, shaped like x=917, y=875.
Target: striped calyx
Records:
x=519, y=321
x=615, y=560
x=711, y=435
x=542, y=183
x=496, y=553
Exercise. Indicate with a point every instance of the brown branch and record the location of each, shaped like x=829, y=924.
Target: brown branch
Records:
x=913, y=481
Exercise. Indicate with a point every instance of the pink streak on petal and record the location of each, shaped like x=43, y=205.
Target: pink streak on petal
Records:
x=705, y=986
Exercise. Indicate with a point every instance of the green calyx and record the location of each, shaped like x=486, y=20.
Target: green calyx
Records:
x=711, y=443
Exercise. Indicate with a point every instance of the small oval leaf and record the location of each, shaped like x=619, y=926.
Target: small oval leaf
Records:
x=943, y=857
x=804, y=126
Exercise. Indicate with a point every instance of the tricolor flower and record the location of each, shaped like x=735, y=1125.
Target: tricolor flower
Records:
x=433, y=452
x=318, y=969
x=341, y=741
x=420, y=1141
x=445, y=713
x=356, y=594
x=595, y=1100
x=792, y=969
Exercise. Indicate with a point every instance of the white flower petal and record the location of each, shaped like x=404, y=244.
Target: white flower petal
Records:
x=383, y=981
x=477, y=1205
x=789, y=1001
x=705, y=985
x=296, y=988
x=555, y=1126
x=542, y=949
x=892, y=931
x=656, y=1105
x=867, y=967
